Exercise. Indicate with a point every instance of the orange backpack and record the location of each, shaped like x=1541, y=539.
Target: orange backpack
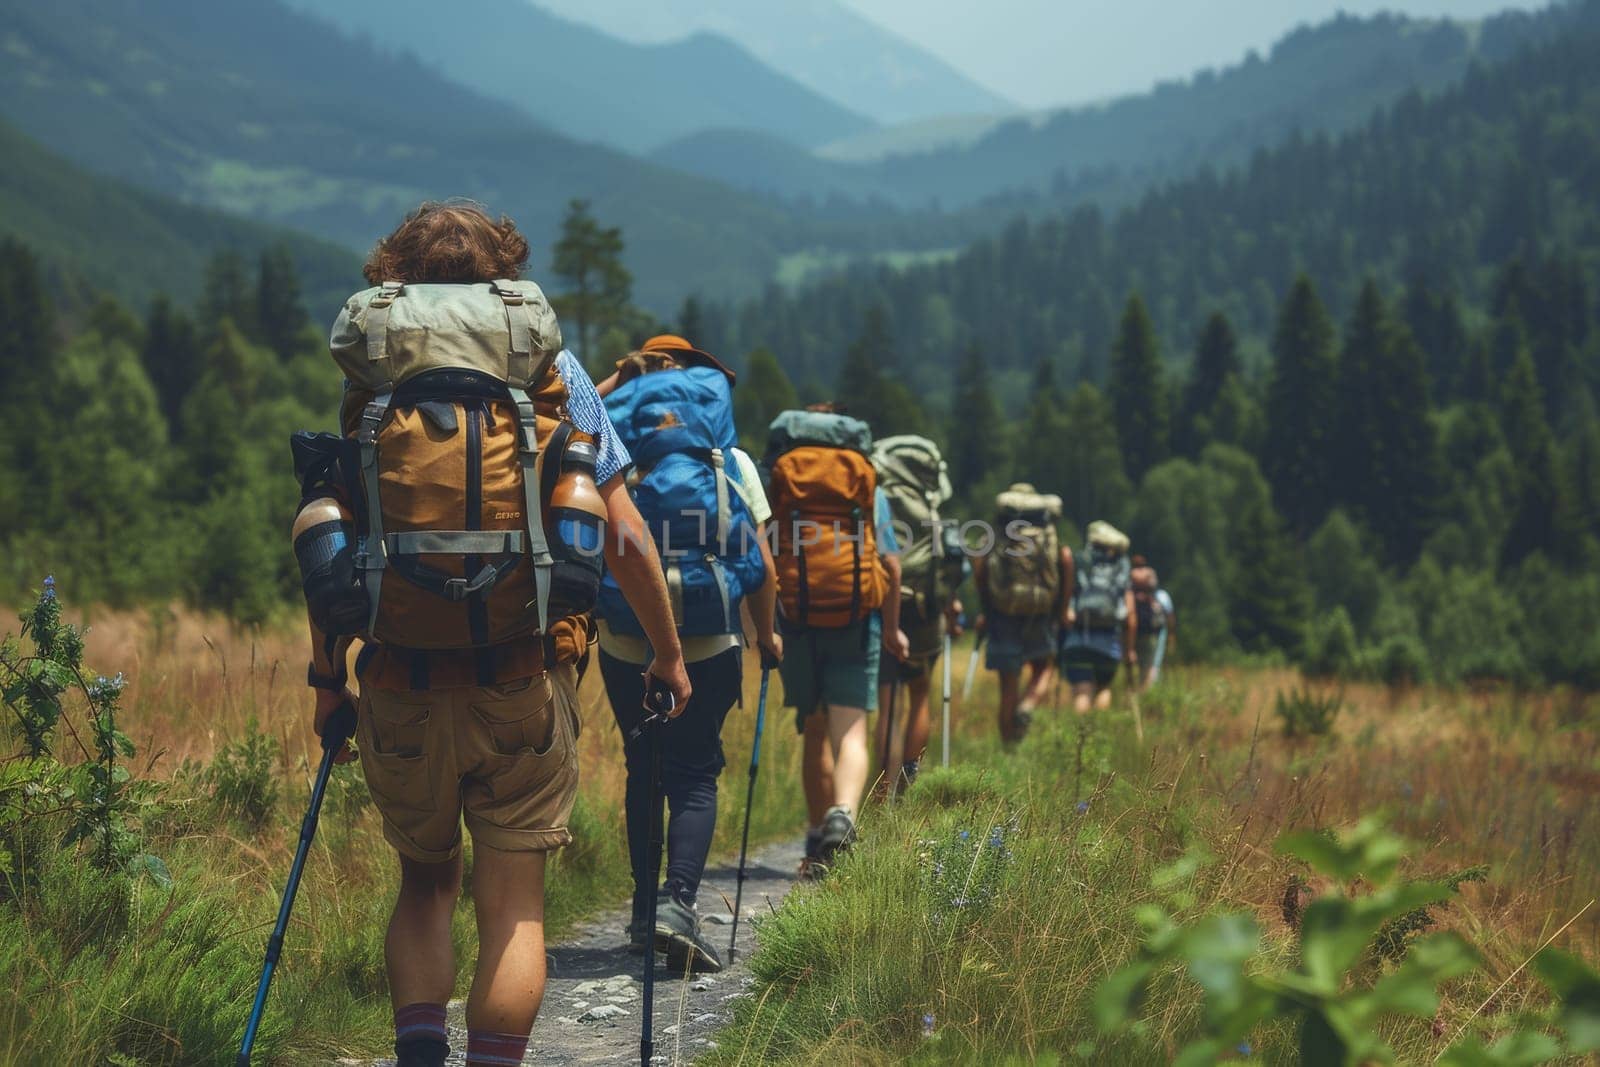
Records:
x=459, y=414
x=823, y=494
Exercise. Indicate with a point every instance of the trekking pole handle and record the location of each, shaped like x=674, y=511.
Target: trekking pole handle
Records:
x=339, y=727
x=659, y=704
x=769, y=662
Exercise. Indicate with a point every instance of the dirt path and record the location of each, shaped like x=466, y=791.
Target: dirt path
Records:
x=593, y=998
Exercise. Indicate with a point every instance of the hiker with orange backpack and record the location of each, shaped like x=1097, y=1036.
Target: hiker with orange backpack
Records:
x=476, y=488
x=839, y=600
x=1024, y=583
x=702, y=499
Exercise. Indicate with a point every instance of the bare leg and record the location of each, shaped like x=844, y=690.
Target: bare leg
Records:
x=917, y=717
x=1082, y=697
x=1043, y=672
x=508, y=891
x=847, y=735
x=418, y=951
x=817, y=768
x=1010, y=683
x=1102, y=699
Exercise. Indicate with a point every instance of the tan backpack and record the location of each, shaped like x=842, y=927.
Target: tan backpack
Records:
x=459, y=416
x=1023, y=576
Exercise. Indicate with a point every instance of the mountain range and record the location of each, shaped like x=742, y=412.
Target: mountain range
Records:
x=820, y=43
x=592, y=86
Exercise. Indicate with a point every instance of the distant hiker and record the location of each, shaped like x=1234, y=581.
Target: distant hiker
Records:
x=1157, y=621
x=1024, y=584
x=933, y=564
x=1101, y=635
x=702, y=500
x=839, y=599
x=481, y=480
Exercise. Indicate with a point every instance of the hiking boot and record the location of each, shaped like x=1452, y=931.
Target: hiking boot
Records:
x=421, y=1052
x=635, y=935
x=678, y=935
x=908, y=773
x=1024, y=719
x=808, y=862
x=838, y=831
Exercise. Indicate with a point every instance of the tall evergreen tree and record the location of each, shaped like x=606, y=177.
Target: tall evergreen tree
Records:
x=172, y=356
x=976, y=432
x=1043, y=434
x=692, y=321
x=588, y=256
x=279, y=311
x=1536, y=524
x=1216, y=359
x=28, y=351
x=1089, y=473
x=1301, y=409
x=1434, y=318
x=1266, y=589
x=764, y=391
x=1138, y=392
x=227, y=295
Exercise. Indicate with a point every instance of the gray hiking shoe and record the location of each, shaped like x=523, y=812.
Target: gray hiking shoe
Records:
x=809, y=871
x=838, y=832
x=678, y=935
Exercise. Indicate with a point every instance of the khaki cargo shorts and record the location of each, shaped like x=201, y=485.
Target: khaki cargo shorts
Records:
x=504, y=756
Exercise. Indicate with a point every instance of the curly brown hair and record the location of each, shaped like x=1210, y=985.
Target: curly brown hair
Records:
x=451, y=241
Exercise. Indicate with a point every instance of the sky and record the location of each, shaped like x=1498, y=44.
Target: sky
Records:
x=1044, y=53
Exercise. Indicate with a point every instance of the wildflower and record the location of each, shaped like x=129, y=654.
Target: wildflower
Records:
x=49, y=587
x=965, y=834
x=927, y=1024
x=997, y=838
x=1083, y=806
x=1243, y=1048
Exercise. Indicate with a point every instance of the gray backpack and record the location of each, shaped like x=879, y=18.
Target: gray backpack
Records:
x=912, y=474
x=1101, y=596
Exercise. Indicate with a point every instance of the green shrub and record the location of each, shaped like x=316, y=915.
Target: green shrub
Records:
x=1330, y=647
x=1304, y=713
x=242, y=778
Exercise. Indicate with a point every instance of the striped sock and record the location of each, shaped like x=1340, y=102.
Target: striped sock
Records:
x=417, y=1025
x=488, y=1049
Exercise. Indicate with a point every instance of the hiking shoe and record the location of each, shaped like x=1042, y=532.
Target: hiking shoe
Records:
x=1024, y=719
x=908, y=773
x=838, y=831
x=808, y=862
x=635, y=934
x=421, y=1052
x=678, y=935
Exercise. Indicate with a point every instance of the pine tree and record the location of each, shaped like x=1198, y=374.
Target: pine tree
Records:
x=1089, y=472
x=1266, y=590
x=1043, y=435
x=279, y=312
x=764, y=390
x=1216, y=359
x=1137, y=392
x=691, y=321
x=28, y=358
x=227, y=295
x=1535, y=525
x=977, y=452
x=1301, y=409
x=171, y=356
x=1435, y=321
x=589, y=257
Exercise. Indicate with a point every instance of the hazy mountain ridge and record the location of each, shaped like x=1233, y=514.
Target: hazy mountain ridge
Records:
x=258, y=109
x=93, y=233
x=820, y=43
x=592, y=86
x=1326, y=77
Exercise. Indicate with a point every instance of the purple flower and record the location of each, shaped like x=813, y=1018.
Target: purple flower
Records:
x=1083, y=806
x=927, y=1024
x=965, y=834
x=49, y=587
x=1243, y=1048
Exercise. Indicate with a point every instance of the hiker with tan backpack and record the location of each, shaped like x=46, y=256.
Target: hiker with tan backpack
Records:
x=1102, y=634
x=702, y=499
x=838, y=601
x=933, y=564
x=1024, y=583
x=457, y=528
x=1156, y=622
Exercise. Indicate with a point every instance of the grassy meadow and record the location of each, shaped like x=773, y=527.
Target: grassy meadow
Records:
x=921, y=947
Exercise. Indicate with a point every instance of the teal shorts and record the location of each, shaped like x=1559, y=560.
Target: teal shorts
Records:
x=830, y=668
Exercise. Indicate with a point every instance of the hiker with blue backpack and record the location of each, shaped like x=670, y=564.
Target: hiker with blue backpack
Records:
x=703, y=503
x=839, y=602
x=1157, y=622
x=1102, y=633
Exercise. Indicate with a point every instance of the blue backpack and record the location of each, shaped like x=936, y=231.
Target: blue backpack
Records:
x=678, y=424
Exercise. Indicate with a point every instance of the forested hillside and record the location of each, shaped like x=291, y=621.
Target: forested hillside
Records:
x=1323, y=78
x=1441, y=192
x=97, y=234
x=590, y=86
x=255, y=109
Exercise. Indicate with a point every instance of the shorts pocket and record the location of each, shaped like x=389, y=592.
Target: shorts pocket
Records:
x=517, y=719
x=393, y=736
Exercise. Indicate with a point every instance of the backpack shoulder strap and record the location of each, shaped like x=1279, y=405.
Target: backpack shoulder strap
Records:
x=378, y=326
x=521, y=370
x=373, y=556
x=538, y=544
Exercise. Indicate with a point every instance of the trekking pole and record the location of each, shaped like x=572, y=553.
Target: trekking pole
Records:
x=891, y=774
x=658, y=702
x=336, y=731
x=749, y=802
x=972, y=668
x=1160, y=656
x=944, y=733
x=1133, y=698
